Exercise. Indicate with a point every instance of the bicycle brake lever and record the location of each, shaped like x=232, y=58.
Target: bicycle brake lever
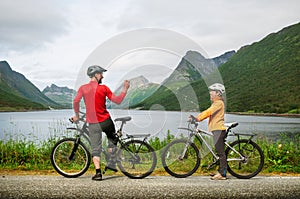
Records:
x=72, y=121
x=194, y=120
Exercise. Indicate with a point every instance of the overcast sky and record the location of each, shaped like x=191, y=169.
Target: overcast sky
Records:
x=49, y=41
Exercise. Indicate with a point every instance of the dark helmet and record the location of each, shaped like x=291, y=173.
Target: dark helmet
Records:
x=95, y=69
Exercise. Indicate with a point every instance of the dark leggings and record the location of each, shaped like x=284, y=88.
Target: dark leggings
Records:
x=95, y=133
x=219, y=139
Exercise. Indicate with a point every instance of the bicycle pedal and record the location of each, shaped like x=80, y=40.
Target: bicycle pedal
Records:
x=212, y=164
x=105, y=169
x=110, y=168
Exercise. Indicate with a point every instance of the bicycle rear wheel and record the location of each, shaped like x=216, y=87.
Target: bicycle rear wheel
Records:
x=137, y=159
x=178, y=164
x=253, y=163
x=69, y=161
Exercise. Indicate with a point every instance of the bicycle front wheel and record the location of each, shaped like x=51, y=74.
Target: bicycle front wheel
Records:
x=181, y=158
x=253, y=159
x=137, y=159
x=69, y=159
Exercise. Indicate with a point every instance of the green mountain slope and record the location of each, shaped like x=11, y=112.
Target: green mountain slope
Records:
x=12, y=102
x=18, y=93
x=262, y=77
x=265, y=76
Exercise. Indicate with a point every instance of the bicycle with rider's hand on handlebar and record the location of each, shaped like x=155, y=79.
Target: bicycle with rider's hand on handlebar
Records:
x=71, y=157
x=181, y=158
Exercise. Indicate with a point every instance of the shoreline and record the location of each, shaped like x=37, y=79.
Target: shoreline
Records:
x=233, y=113
x=266, y=114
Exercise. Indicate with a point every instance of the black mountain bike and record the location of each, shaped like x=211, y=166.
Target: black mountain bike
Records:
x=181, y=158
x=71, y=157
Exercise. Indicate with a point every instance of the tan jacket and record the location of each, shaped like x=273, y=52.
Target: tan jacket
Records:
x=215, y=113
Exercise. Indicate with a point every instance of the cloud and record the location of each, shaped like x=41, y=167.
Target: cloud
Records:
x=217, y=25
x=44, y=39
x=29, y=24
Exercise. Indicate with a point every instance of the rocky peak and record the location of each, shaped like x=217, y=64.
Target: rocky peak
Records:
x=54, y=88
x=139, y=81
x=5, y=68
x=223, y=58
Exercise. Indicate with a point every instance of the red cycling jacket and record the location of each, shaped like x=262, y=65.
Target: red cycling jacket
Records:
x=94, y=96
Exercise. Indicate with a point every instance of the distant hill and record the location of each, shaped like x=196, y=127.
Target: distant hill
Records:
x=60, y=95
x=18, y=93
x=140, y=89
x=261, y=77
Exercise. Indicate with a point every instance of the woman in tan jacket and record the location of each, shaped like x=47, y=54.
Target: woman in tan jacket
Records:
x=215, y=113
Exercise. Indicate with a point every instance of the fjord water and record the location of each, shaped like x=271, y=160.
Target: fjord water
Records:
x=41, y=125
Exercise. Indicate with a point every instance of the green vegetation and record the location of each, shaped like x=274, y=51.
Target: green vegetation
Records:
x=281, y=156
x=12, y=102
x=25, y=155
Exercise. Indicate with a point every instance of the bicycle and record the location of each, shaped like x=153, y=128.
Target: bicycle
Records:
x=71, y=157
x=181, y=158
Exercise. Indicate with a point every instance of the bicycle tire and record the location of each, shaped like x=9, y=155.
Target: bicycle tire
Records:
x=63, y=165
x=136, y=159
x=249, y=167
x=180, y=168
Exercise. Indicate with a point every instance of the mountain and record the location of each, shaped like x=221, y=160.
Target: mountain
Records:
x=261, y=77
x=140, y=89
x=18, y=93
x=192, y=67
x=60, y=95
x=222, y=59
x=176, y=92
x=265, y=76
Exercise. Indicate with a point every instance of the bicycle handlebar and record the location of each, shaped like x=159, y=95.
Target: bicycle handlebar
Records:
x=81, y=118
x=193, y=120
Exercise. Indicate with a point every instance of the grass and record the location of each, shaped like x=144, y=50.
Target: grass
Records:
x=281, y=156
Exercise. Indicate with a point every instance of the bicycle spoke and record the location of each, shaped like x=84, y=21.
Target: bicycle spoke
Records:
x=252, y=161
x=137, y=159
x=179, y=166
x=60, y=158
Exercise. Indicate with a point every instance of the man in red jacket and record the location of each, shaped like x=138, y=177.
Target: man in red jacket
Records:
x=94, y=94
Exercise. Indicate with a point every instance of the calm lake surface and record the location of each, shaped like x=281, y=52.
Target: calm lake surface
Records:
x=41, y=125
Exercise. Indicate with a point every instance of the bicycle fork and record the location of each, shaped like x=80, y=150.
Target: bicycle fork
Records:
x=76, y=144
x=184, y=150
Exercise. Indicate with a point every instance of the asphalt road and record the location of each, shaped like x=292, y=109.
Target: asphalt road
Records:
x=35, y=186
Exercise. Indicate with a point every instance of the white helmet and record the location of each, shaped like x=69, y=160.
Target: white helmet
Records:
x=217, y=87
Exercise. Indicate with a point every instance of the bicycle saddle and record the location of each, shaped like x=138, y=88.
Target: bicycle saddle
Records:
x=231, y=125
x=123, y=119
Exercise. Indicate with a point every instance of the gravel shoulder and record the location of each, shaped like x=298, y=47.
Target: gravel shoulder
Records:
x=116, y=186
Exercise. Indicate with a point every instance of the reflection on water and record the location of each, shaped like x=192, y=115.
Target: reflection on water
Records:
x=43, y=124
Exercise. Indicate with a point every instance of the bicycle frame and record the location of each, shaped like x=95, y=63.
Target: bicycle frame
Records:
x=83, y=132
x=130, y=155
x=182, y=157
x=198, y=135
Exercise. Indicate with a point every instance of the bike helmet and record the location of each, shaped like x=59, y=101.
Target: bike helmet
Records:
x=217, y=87
x=95, y=69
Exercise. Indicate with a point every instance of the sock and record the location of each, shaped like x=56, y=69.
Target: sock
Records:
x=98, y=170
